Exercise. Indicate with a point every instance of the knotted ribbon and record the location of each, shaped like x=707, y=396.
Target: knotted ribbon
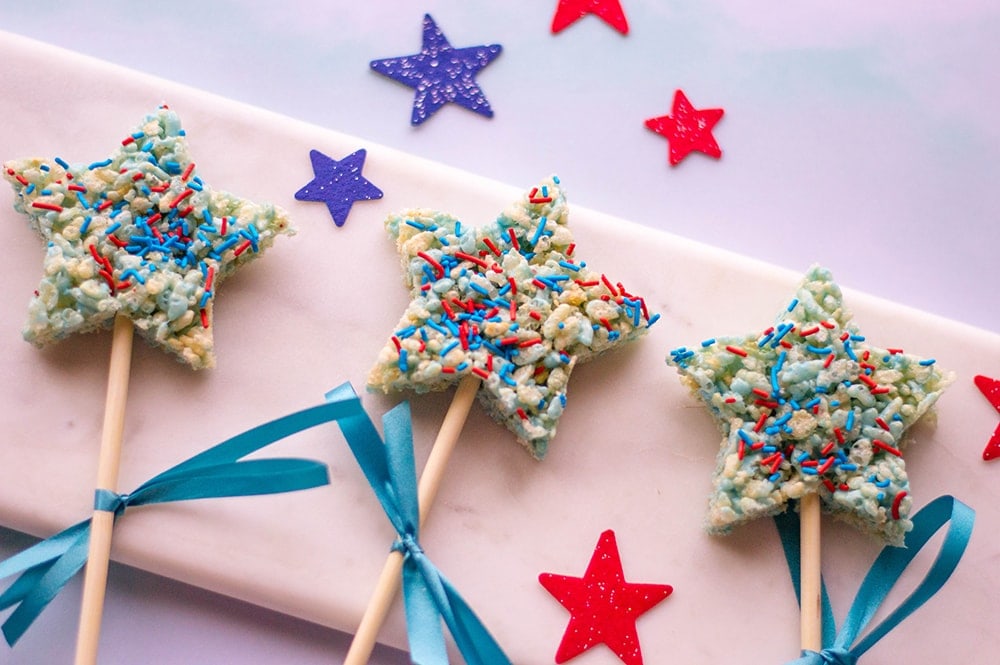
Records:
x=45, y=568
x=883, y=575
x=428, y=597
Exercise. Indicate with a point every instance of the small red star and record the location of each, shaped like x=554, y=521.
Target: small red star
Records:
x=603, y=606
x=570, y=11
x=687, y=129
x=991, y=389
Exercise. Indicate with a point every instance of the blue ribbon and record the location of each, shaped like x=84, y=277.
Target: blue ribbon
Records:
x=45, y=568
x=428, y=597
x=883, y=575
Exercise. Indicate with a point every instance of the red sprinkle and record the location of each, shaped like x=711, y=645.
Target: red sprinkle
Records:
x=829, y=359
x=829, y=484
x=513, y=239
x=469, y=257
x=180, y=197
x=204, y=318
x=738, y=351
x=895, y=504
x=760, y=422
x=480, y=372
x=438, y=268
x=187, y=172
x=493, y=248
x=881, y=423
x=522, y=414
x=46, y=206
x=809, y=331
x=244, y=246
x=887, y=448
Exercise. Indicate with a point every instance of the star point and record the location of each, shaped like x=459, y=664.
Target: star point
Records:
x=603, y=606
x=141, y=234
x=687, y=129
x=441, y=74
x=808, y=405
x=338, y=184
x=571, y=11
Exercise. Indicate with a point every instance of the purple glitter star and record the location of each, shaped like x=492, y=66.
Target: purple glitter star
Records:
x=441, y=73
x=338, y=184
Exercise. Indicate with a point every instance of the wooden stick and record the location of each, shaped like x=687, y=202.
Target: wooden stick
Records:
x=430, y=481
x=99, y=552
x=811, y=604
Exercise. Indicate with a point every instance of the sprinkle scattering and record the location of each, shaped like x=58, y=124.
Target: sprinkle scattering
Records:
x=441, y=74
x=807, y=405
x=338, y=184
x=990, y=388
x=510, y=302
x=571, y=11
x=139, y=233
x=603, y=606
x=687, y=129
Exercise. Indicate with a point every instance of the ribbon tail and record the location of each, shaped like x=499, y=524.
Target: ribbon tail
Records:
x=423, y=620
x=474, y=642
x=38, y=586
x=891, y=563
x=247, y=478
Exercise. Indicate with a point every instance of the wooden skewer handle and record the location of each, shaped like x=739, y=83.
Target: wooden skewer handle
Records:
x=430, y=481
x=99, y=551
x=811, y=603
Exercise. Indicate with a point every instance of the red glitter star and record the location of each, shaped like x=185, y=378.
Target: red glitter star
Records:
x=991, y=389
x=603, y=606
x=687, y=129
x=570, y=11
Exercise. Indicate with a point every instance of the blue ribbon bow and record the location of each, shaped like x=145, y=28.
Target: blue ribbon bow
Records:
x=45, y=568
x=428, y=597
x=883, y=575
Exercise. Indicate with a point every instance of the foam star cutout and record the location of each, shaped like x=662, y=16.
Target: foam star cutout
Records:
x=441, y=74
x=508, y=302
x=603, y=607
x=990, y=388
x=808, y=405
x=338, y=184
x=139, y=233
x=687, y=129
x=570, y=11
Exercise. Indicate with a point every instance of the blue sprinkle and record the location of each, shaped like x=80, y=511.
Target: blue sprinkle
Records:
x=774, y=477
x=746, y=437
x=791, y=305
x=408, y=331
x=848, y=467
x=809, y=471
x=928, y=362
x=555, y=179
x=446, y=350
x=539, y=230
x=802, y=458
x=708, y=342
x=44, y=167
x=205, y=297
x=61, y=163
x=849, y=425
x=569, y=266
x=85, y=225
x=813, y=402
x=819, y=349
x=31, y=187
x=98, y=165
x=653, y=319
x=111, y=229
x=403, y=367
